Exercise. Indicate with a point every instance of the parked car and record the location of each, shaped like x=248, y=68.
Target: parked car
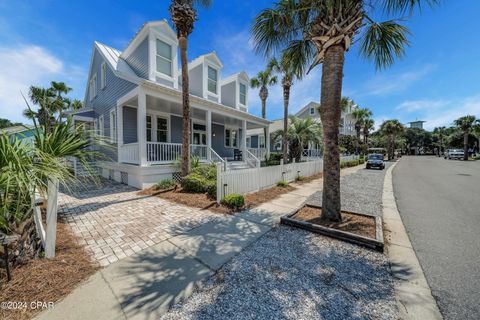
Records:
x=375, y=160
x=454, y=154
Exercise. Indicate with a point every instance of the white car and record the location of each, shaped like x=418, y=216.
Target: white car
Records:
x=454, y=154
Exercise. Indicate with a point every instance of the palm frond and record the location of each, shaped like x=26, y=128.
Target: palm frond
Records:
x=406, y=6
x=383, y=42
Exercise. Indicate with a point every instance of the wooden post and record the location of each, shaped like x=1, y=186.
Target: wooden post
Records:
x=51, y=233
x=142, y=127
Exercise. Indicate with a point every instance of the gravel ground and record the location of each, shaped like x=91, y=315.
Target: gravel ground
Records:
x=361, y=191
x=294, y=274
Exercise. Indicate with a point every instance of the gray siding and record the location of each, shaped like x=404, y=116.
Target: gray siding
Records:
x=106, y=98
x=229, y=94
x=164, y=82
x=176, y=128
x=138, y=60
x=254, y=141
x=129, y=125
x=196, y=81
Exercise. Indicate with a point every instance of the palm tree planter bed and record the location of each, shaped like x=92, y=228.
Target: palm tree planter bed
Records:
x=365, y=229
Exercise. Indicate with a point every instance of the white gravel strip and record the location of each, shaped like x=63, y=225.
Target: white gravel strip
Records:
x=360, y=191
x=294, y=274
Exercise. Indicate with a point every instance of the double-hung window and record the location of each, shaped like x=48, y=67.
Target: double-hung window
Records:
x=113, y=126
x=164, y=58
x=212, y=80
x=231, y=138
x=261, y=141
x=162, y=129
x=312, y=111
x=93, y=87
x=243, y=94
x=149, y=128
x=103, y=76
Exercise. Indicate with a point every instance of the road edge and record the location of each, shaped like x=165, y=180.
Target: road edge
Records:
x=412, y=292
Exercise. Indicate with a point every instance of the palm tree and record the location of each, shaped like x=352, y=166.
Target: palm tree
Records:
x=184, y=15
x=345, y=103
x=321, y=31
x=263, y=80
x=476, y=132
x=465, y=123
x=360, y=115
x=440, y=132
x=289, y=71
x=391, y=129
x=300, y=133
x=368, y=125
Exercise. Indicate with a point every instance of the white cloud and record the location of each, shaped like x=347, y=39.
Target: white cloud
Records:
x=438, y=112
x=387, y=84
x=21, y=67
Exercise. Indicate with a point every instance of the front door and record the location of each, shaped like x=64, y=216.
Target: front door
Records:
x=199, y=136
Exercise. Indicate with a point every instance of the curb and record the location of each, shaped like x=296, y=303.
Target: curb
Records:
x=412, y=292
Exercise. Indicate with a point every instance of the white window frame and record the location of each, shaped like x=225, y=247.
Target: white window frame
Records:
x=216, y=81
x=240, y=84
x=101, y=125
x=156, y=130
x=92, y=87
x=162, y=57
x=237, y=136
x=260, y=139
x=248, y=141
x=113, y=126
x=103, y=76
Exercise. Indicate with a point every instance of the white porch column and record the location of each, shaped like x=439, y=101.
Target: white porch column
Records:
x=119, y=131
x=142, y=127
x=267, y=140
x=209, y=134
x=243, y=142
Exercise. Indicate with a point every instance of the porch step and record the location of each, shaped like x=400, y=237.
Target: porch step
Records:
x=237, y=165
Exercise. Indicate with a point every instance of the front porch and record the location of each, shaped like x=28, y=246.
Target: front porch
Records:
x=150, y=130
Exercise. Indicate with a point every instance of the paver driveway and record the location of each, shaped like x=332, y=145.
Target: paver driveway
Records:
x=113, y=221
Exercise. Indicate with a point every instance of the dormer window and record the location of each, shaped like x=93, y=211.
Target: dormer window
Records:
x=243, y=94
x=164, y=58
x=212, y=80
x=312, y=111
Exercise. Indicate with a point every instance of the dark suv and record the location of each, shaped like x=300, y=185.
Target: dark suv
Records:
x=375, y=160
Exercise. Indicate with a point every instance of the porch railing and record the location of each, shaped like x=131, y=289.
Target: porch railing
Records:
x=161, y=152
x=311, y=153
x=259, y=153
x=128, y=153
x=199, y=151
x=251, y=160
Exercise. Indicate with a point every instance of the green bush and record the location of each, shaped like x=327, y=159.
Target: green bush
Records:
x=233, y=201
x=194, y=183
x=299, y=178
x=165, y=184
x=209, y=172
x=349, y=163
x=282, y=183
x=211, y=188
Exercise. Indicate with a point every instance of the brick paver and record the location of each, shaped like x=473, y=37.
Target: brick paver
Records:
x=113, y=221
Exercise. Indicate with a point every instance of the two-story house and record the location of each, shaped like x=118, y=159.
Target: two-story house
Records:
x=134, y=99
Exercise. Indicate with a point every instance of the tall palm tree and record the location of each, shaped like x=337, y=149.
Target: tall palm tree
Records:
x=440, y=132
x=289, y=71
x=368, y=125
x=263, y=80
x=391, y=129
x=184, y=15
x=465, y=123
x=321, y=31
x=360, y=115
x=300, y=132
x=346, y=103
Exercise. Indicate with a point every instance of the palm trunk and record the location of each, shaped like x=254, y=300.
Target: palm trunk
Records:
x=465, y=145
x=183, y=44
x=264, y=107
x=286, y=98
x=331, y=93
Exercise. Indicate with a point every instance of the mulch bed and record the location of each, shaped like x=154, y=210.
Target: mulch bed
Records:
x=257, y=198
x=47, y=280
x=354, y=223
x=311, y=178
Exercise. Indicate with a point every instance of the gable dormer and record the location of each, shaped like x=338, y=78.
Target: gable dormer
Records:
x=204, y=75
x=152, y=53
x=234, y=91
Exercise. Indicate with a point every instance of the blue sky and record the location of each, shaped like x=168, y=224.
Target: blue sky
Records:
x=437, y=81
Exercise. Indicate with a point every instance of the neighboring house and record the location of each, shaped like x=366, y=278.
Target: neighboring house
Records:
x=418, y=124
x=24, y=132
x=256, y=140
x=134, y=99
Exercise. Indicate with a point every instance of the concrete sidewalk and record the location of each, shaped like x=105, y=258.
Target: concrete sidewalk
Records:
x=145, y=285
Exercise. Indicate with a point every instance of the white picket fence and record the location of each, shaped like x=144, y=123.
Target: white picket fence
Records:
x=255, y=179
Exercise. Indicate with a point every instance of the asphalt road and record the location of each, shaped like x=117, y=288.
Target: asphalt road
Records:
x=439, y=201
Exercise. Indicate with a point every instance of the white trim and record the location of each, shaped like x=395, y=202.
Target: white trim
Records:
x=231, y=128
x=82, y=118
x=101, y=125
x=173, y=43
x=103, y=75
x=92, y=87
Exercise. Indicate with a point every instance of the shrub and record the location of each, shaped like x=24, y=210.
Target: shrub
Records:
x=194, y=183
x=209, y=172
x=299, y=178
x=165, y=184
x=282, y=183
x=211, y=188
x=233, y=201
x=349, y=163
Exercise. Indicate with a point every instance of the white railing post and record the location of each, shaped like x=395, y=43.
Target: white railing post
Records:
x=209, y=135
x=119, y=131
x=219, y=182
x=267, y=141
x=142, y=127
x=51, y=233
